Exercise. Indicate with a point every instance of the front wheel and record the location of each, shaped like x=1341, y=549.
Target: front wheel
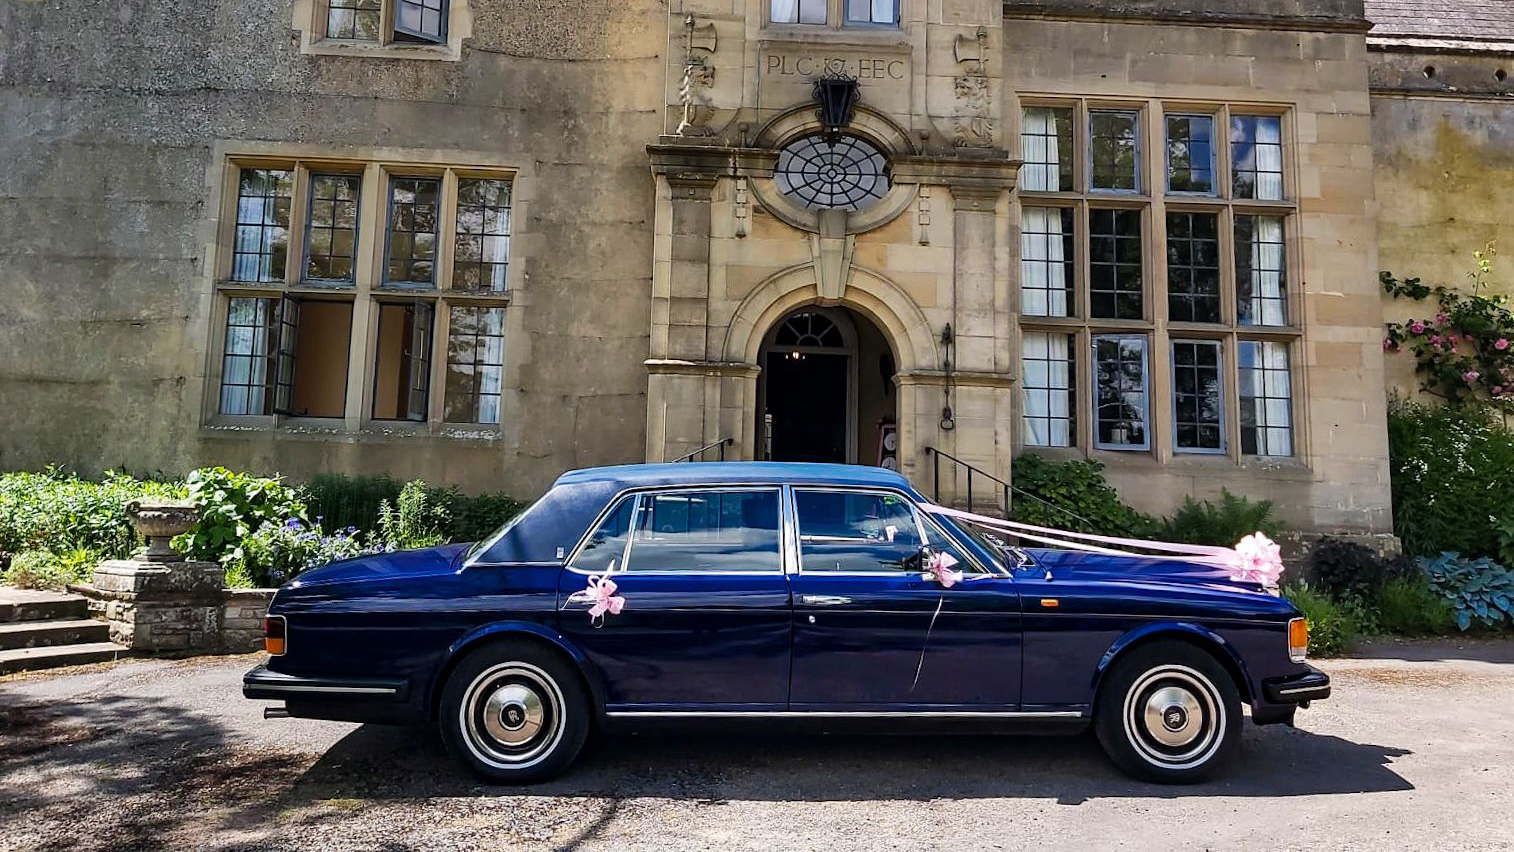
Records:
x=1168, y=712
x=514, y=713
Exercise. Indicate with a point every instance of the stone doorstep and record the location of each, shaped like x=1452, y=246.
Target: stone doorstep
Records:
x=52, y=633
x=18, y=605
x=29, y=659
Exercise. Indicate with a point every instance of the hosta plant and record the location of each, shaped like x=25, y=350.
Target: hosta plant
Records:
x=1480, y=590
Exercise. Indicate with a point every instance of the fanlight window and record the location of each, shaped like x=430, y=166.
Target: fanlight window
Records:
x=845, y=173
x=809, y=329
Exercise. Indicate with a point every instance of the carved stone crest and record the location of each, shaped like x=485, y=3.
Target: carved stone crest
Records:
x=972, y=108
x=695, y=89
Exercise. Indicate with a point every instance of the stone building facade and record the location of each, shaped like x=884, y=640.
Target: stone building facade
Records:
x=485, y=241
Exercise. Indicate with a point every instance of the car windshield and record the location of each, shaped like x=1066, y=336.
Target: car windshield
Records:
x=483, y=544
x=1003, y=553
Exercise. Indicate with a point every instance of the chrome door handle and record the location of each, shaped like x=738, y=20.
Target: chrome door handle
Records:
x=824, y=600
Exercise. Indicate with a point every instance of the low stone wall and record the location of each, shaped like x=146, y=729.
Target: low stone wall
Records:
x=177, y=606
x=242, y=614
x=1296, y=547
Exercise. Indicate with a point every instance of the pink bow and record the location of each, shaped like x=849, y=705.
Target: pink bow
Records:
x=601, y=594
x=939, y=565
x=1257, y=559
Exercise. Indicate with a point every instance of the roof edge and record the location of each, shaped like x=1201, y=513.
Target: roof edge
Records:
x=1064, y=10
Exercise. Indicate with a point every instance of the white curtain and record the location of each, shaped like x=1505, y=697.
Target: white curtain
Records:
x=785, y=11
x=1267, y=302
x=1267, y=388
x=1043, y=267
x=1038, y=148
x=1269, y=159
x=1047, y=387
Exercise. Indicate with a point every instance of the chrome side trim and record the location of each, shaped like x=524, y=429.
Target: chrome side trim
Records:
x=1298, y=689
x=844, y=714
x=300, y=687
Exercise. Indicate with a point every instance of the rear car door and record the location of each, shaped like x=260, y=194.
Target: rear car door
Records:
x=705, y=625
x=871, y=633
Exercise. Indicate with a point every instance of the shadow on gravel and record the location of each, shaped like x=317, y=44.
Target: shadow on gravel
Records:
x=1467, y=649
x=381, y=762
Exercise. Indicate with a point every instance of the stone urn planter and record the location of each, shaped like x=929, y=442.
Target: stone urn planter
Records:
x=160, y=521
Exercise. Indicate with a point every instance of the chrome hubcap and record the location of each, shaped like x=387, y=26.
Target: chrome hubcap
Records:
x=1174, y=717
x=512, y=715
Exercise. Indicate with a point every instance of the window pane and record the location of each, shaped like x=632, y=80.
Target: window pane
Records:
x=353, y=19
x=1114, y=242
x=1256, y=153
x=412, y=231
x=1113, y=143
x=422, y=19
x=244, y=360
x=1190, y=153
x=260, y=246
x=1198, y=402
x=606, y=546
x=481, y=254
x=475, y=359
x=1046, y=148
x=1047, y=383
x=1193, y=267
x=707, y=531
x=1120, y=408
x=798, y=11
x=872, y=11
x=1046, y=261
x=1266, y=399
x=1260, y=271
x=331, y=232
x=852, y=531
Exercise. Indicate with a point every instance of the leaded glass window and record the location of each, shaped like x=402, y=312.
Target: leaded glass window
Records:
x=421, y=19
x=797, y=11
x=247, y=356
x=1256, y=153
x=413, y=223
x=1266, y=399
x=1114, y=268
x=475, y=364
x=881, y=12
x=331, y=232
x=1120, y=393
x=845, y=173
x=1046, y=261
x=1114, y=144
x=809, y=328
x=1193, y=267
x=1047, y=385
x=482, y=249
x=1046, y=149
x=1190, y=154
x=1260, y=271
x=1197, y=401
x=260, y=247
x=354, y=19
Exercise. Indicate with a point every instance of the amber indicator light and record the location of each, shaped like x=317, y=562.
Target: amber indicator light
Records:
x=1050, y=602
x=274, y=634
x=1298, y=639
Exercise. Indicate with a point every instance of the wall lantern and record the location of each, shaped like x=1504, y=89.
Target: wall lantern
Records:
x=837, y=96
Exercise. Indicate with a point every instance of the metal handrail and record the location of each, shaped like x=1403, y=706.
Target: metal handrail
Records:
x=722, y=444
x=1004, y=487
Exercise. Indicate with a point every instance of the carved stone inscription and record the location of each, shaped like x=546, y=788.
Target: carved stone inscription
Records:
x=787, y=71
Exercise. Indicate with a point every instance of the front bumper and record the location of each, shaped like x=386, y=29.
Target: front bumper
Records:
x=1312, y=685
x=263, y=683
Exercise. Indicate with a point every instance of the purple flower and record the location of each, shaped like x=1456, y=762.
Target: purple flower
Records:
x=293, y=524
x=1435, y=340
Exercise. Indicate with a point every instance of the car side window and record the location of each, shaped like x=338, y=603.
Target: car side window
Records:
x=607, y=544
x=855, y=531
x=707, y=530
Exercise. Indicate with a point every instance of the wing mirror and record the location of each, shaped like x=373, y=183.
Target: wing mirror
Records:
x=916, y=562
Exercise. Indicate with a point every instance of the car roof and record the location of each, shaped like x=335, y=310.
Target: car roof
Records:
x=627, y=476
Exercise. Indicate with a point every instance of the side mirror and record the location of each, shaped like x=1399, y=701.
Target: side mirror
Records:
x=916, y=562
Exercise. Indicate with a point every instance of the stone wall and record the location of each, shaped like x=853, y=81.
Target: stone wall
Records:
x=175, y=607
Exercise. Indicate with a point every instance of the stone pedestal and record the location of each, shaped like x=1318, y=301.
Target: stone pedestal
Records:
x=160, y=606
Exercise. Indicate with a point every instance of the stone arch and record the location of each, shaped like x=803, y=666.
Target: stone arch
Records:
x=903, y=324
x=866, y=122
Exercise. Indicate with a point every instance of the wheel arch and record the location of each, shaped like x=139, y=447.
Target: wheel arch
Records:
x=537, y=634
x=1197, y=635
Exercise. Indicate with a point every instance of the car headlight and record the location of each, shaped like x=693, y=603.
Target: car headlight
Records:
x=1298, y=639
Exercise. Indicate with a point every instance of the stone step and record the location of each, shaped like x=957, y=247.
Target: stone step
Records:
x=52, y=633
x=30, y=605
x=31, y=659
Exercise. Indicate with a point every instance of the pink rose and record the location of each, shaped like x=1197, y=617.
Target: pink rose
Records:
x=1435, y=340
x=1452, y=339
x=1442, y=318
x=1502, y=344
x=1471, y=376
x=1418, y=327
x=1498, y=390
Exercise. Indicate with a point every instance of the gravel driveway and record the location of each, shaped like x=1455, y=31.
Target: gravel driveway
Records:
x=1416, y=751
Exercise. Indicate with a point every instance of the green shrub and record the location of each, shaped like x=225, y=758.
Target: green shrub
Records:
x=1480, y=591
x=59, y=512
x=1332, y=629
x=416, y=519
x=342, y=501
x=232, y=507
x=1073, y=495
x=1408, y=606
x=474, y=517
x=41, y=569
x=1202, y=522
x=1344, y=568
x=1451, y=471
x=276, y=553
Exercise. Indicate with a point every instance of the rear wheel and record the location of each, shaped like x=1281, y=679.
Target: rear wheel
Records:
x=514, y=712
x=1168, y=712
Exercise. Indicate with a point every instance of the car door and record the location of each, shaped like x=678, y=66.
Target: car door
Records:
x=705, y=624
x=870, y=633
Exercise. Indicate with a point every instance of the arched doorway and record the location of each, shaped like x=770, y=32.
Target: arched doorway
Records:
x=826, y=391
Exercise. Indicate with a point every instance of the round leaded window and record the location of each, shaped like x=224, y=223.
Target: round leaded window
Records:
x=844, y=173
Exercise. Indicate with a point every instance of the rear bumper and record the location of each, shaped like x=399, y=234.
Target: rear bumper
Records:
x=262, y=683
x=1313, y=685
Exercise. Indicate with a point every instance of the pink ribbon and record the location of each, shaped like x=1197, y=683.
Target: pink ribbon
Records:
x=600, y=594
x=939, y=566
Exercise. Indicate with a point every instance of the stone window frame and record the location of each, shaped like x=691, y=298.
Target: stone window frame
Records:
x=310, y=17
x=366, y=293
x=1155, y=202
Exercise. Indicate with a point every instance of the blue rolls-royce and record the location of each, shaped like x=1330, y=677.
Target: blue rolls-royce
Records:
x=763, y=591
